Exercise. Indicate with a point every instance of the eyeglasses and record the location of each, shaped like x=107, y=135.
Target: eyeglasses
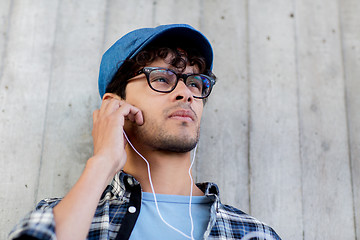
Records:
x=165, y=80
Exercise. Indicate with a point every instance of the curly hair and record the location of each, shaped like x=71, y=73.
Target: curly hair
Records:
x=180, y=57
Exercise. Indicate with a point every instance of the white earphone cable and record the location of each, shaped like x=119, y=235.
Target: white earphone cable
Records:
x=153, y=191
x=191, y=191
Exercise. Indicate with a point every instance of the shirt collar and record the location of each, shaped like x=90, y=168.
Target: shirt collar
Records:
x=123, y=181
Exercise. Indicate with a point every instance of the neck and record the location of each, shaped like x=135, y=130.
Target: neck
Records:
x=169, y=171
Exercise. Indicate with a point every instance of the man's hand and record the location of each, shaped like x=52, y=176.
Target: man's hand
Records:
x=73, y=215
x=108, y=124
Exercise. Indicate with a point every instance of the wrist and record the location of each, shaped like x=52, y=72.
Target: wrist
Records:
x=101, y=169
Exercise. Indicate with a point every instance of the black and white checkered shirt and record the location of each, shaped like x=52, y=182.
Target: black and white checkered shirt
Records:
x=119, y=208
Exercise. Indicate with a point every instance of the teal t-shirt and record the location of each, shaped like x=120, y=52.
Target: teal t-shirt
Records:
x=175, y=211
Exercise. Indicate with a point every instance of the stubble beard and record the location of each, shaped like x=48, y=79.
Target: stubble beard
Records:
x=156, y=137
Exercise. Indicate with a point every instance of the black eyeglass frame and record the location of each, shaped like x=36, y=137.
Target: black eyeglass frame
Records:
x=184, y=77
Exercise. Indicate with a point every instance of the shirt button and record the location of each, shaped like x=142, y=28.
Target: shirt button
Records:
x=130, y=181
x=132, y=209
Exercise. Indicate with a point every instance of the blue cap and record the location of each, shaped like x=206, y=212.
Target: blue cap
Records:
x=132, y=43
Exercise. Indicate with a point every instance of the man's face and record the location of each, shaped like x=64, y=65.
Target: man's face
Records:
x=171, y=120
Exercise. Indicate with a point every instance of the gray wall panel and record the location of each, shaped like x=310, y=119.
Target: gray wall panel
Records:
x=350, y=25
x=223, y=149
x=280, y=132
x=323, y=128
x=275, y=166
x=73, y=95
x=24, y=83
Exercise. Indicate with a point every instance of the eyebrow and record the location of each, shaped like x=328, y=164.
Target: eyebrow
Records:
x=182, y=72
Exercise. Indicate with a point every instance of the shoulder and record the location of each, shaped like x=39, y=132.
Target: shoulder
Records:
x=237, y=224
x=235, y=215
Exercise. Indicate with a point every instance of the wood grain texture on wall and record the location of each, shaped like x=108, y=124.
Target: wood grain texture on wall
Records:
x=72, y=96
x=327, y=190
x=223, y=148
x=24, y=86
x=350, y=30
x=275, y=165
x=280, y=133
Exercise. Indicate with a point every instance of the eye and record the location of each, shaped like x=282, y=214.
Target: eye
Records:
x=195, y=82
x=159, y=79
x=195, y=85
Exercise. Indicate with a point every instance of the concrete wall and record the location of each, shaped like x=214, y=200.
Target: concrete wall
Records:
x=281, y=130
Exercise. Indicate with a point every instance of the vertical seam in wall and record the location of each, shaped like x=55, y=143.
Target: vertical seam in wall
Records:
x=296, y=54
x=153, y=20
x=106, y=23
x=47, y=105
x=7, y=30
x=247, y=46
x=201, y=21
x=341, y=39
x=201, y=18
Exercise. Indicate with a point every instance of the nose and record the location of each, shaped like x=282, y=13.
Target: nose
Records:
x=182, y=92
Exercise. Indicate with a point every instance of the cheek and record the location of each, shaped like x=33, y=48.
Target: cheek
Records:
x=135, y=94
x=151, y=110
x=199, y=110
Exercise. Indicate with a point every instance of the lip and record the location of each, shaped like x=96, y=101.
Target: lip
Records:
x=184, y=115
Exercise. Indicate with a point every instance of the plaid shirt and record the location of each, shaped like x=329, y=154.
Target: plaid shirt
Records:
x=114, y=220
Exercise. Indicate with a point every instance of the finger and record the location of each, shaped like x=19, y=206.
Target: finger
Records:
x=139, y=118
x=109, y=106
x=130, y=117
x=95, y=115
x=132, y=113
x=104, y=105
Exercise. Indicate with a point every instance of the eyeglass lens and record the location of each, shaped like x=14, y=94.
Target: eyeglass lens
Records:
x=165, y=80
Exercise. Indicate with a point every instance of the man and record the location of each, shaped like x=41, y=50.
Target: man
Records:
x=153, y=83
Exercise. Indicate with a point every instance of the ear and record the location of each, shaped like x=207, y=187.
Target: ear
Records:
x=111, y=96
